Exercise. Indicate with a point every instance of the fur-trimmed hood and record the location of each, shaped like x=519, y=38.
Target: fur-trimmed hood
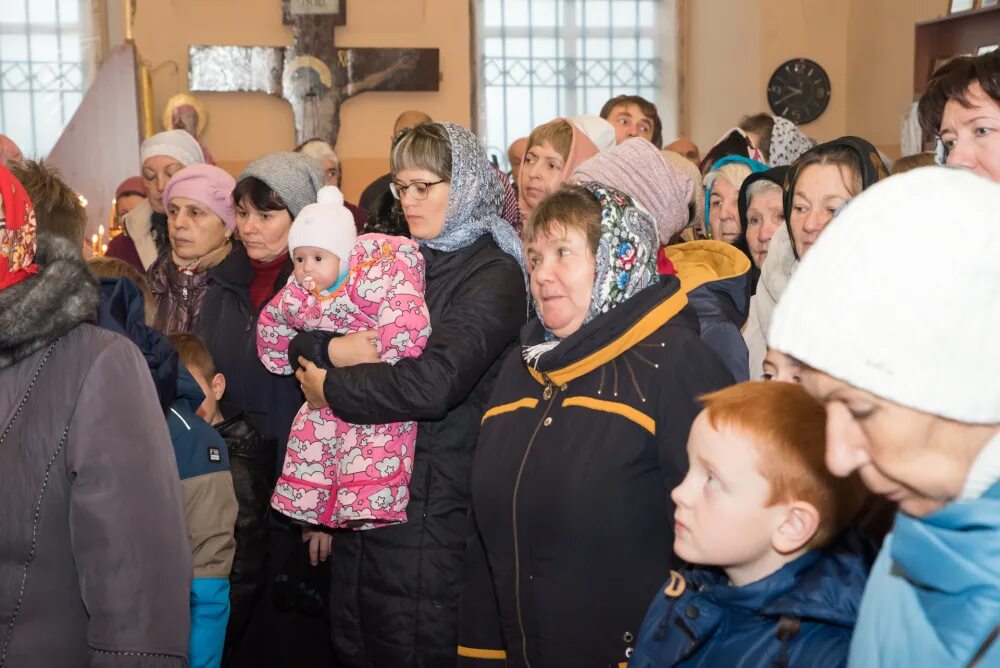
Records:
x=40, y=309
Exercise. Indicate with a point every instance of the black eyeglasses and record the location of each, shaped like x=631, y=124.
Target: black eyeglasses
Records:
x=419, y=189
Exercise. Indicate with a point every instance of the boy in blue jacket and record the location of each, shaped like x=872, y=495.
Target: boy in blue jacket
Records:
x=777, y=581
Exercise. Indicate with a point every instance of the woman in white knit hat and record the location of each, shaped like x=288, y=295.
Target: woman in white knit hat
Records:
x=145, y=236
x=907, y=365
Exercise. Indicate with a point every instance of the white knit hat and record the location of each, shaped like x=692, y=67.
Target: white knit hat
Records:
x=900, y=296
x=177, y=144
x=327, y=224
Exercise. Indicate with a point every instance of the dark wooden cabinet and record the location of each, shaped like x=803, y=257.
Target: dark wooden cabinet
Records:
x=956, y=34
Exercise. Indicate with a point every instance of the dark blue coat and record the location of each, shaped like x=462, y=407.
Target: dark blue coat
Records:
x=202, y=464
x=801, y=615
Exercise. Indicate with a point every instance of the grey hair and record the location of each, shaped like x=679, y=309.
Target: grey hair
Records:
x=761, y=186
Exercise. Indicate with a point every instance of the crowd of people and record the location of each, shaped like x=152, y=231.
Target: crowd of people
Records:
x=624, y=405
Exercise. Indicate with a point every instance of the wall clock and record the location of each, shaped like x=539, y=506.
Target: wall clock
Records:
x=799, y=90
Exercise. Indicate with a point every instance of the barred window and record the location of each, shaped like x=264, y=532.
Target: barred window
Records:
x=541, y=59
x=43, y=74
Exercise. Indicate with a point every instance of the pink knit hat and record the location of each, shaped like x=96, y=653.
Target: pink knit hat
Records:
x=210, y=185
x=637, y=168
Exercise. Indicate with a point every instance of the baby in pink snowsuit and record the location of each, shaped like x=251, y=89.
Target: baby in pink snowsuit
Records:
x=338, y=474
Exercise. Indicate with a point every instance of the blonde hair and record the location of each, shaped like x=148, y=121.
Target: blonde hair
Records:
x=558, y=133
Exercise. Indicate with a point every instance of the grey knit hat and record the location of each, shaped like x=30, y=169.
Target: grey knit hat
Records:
x=295, y=177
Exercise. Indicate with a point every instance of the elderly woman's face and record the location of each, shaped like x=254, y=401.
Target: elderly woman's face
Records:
x=562, y=270
x=156, y=172
x=194, y=229
x=820, y=191
x=263, y=233
x=764, y=215
x=424, y=198
x=909, y=457
x=971, y=135
x=724, y=211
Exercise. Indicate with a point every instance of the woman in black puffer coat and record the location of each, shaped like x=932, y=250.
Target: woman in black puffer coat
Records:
x=394, y=599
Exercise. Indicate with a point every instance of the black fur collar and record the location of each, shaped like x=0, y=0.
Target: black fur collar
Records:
x=40, y=309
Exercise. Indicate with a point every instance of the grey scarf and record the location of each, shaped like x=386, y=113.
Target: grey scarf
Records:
x=475, y=200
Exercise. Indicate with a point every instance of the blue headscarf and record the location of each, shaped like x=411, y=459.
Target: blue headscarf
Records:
x=754, y=166
x=474, y=201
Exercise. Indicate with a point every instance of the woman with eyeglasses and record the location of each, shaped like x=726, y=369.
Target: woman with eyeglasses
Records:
x=394, y=599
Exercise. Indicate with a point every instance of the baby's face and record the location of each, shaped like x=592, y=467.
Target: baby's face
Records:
x=315, y=268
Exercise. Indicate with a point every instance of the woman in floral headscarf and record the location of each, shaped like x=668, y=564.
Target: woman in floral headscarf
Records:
x=394, y=598
x=584, y=436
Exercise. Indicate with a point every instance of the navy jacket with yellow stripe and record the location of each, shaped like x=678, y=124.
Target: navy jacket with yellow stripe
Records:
x=573, y=522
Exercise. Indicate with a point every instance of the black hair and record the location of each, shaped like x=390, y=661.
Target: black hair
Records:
x=258, y=194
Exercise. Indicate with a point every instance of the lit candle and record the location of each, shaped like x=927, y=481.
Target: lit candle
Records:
x=104, y=249
x=100, y=230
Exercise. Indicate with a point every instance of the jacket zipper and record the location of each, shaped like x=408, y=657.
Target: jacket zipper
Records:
x=550, y=390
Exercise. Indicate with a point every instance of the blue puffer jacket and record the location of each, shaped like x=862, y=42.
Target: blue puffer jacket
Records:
x=202, y=464
x=801, y=615
x=716, y=277
x=934, y=594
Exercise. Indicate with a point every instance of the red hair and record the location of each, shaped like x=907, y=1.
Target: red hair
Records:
x=789, y=429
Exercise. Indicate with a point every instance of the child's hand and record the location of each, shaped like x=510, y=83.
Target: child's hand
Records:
x=319, y=544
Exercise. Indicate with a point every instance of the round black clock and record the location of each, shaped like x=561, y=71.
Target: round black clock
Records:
x=799, y=90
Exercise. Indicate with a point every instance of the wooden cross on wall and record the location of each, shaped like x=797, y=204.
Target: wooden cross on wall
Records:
x=314, y=75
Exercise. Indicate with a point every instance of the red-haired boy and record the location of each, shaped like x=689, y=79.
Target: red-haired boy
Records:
x=775, y=582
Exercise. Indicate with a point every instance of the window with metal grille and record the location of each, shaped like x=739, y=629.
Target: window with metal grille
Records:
x=43, y=74
x=542, y=59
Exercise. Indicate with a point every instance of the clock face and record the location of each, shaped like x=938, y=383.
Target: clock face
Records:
x=799, y=90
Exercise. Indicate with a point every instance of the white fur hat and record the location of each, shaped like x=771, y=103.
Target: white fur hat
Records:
x=900, y=296
x=177, y=144
x=327, y=224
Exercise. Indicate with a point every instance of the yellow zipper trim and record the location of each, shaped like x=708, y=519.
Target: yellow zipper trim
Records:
x=646, y=325
x=626, y=411
x=527, y=402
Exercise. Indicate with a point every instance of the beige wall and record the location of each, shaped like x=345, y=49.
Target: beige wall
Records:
x=866, y=48
x=243, y=126
x=733, y=47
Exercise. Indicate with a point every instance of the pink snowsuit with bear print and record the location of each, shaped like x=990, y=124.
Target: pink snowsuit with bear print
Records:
x=338, y=474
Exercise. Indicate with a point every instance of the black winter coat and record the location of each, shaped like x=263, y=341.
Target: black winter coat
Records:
x=571, y=485
x=251, y=462
x=394, y=597
x=228, y=325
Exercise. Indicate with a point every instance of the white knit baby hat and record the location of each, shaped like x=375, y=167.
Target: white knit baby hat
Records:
x=327, y=224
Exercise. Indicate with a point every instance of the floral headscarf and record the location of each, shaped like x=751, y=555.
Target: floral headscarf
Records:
x=17, y=232
x=625, y=263
x=787, y=142
x=475, y=200
x=626, y=253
